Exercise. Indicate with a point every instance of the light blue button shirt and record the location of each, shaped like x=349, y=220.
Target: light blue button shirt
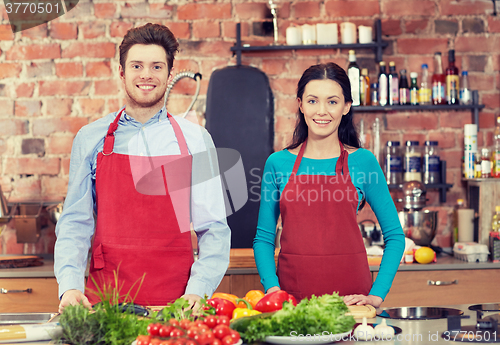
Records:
x=156, y=137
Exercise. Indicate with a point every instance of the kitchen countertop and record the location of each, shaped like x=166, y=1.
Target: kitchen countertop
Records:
x=413, y=331
x=443, y=263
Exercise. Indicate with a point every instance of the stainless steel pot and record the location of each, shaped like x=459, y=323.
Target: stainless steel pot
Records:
x=420, y=226
x=414, y=195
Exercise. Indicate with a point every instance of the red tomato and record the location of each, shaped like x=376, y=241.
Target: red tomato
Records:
x=220, y=331
x=216, y=342
x=173, y=322
x=191, y=342
x=167, y=342
x=143, y=340
x=210, y=321
x=192, y=331
x=185, y=323
x=198, y=322
x=165, y=330
x=179, y=341
x=203, y=328
x=235, y=335
x=176, y=332
x=155, y=341
x=202, y=338
x=223, y=320
x=228, y=340
x=154, y=329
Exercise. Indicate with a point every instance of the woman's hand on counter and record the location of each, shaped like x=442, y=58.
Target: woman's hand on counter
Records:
x=73, y=297
x=375, y=301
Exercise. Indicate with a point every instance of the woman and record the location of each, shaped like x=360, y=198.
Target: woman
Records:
x=317, y=185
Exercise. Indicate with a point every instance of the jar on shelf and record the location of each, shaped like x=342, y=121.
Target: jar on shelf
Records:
x=430, y=168
x=413, y=162
x=393, y=166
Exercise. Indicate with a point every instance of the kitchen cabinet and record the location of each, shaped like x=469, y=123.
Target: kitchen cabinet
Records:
x=474, y=286
x=43, y=296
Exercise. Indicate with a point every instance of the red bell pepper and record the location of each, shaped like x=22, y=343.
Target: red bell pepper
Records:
x=222, y=306
x=274, y=301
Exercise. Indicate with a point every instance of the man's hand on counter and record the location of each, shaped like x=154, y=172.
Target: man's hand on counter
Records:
x=194, y=301
x=372, y=300
x=73, y=297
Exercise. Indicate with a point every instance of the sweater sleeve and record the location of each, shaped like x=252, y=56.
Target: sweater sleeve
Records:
x=264, y=242
x=379, y=198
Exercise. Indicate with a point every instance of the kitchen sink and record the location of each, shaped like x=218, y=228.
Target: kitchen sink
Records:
x=24, y=318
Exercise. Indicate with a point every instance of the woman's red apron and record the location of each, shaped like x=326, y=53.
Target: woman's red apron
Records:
x=138, y=234
x=322, y=249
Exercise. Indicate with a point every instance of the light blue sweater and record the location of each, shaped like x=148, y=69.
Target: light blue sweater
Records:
x=369, y=180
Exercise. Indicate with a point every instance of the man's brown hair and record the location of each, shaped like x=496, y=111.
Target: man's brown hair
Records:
x=150, y=34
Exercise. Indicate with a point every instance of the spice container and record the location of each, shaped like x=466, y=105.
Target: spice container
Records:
x=431, y=163
x=393, y=163
x=413, y=162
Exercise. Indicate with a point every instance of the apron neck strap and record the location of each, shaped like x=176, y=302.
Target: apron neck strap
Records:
x=339, y=167
x=109, y=140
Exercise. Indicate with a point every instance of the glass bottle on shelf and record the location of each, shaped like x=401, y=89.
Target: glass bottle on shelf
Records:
x=485, y=163
x=465, y=91
x=438, y=81
x=452, y=79
x=364, y=82
x=393, y=166
x=404, y=88
x=413, y=88
x=383, y=86
x=431, y=169
x=412, y=162
x=393, y=84
x=353, y=72
x=425, y=93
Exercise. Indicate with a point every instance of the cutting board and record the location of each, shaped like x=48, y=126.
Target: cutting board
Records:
x=361, y=311
x=17, y=261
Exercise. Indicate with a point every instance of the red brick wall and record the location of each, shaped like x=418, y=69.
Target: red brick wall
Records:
x=57, y=77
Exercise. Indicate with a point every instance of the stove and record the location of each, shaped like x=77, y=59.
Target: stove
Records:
x=419, y=313
x=484, y=331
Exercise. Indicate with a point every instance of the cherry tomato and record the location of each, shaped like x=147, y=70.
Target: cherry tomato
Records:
x=192, y=331
x=155, y=341
x=210, y=321
x=165, y=330
x=191, y=342
x=198, y=322
x=167, y=342
x=176, y=332
x=220, y=331
x=185, y=323
x=202, y=338
x=143, y=340
x=223, y=320
x=228, y=340
x=173, y=322
x=235, y=335
x=217, y=342
x=154, y=329
x=179, y=341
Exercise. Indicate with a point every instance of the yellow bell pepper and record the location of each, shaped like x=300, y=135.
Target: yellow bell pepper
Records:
x=246, y=311
x=226, y=296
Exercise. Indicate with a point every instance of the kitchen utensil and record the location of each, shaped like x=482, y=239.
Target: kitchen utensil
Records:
x=420, y=313
x=240, y=98
x=179, y=76
x=414, y=195
x=55, y=211
x=419, y=226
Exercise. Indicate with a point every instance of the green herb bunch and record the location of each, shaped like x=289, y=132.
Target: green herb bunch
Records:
x=311, y=316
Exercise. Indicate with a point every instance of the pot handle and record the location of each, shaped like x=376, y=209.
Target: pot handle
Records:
x=440, y=282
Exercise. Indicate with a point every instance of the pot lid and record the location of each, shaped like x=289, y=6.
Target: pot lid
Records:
x=414, y=189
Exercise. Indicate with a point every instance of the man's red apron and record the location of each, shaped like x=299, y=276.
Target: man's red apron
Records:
x=322, y=249
x=138, y=234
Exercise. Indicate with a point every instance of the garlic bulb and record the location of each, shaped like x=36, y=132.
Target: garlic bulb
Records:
x=383, y=331
x=364, y=331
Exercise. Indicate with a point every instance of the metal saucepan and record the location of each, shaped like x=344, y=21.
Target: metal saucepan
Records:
x=55, y=212
x=420, y=226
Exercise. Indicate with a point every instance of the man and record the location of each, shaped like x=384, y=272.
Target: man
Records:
x=134, y=169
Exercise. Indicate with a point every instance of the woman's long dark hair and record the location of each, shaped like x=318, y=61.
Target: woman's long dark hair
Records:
x=347, y=132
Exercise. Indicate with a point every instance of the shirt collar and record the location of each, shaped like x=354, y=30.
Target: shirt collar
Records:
x=160, y=116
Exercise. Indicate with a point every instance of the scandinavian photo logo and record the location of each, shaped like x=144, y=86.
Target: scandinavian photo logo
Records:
x=25, y=14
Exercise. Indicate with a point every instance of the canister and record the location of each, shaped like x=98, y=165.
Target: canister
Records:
x=393, y=163
x=413, y=162
x=431, y=167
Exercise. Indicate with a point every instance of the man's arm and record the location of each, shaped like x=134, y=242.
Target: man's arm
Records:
x=75, y=227
x=209, y=221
